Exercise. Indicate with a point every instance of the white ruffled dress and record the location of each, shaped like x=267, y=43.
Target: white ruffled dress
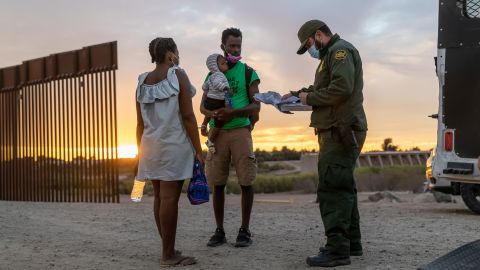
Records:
x=166, y=152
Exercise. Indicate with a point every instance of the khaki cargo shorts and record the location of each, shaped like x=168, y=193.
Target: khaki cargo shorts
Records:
x=232, y=146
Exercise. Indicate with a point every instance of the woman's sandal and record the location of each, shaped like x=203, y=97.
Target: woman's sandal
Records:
x=179, y=261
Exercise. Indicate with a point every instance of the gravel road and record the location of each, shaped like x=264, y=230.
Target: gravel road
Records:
x=123, y=236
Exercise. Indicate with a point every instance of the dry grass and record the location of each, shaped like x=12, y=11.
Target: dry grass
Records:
x=397, y=178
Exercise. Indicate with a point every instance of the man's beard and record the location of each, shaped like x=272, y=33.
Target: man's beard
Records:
x=319, y=45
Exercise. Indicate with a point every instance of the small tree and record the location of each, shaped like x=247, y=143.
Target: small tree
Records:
x=388, y=146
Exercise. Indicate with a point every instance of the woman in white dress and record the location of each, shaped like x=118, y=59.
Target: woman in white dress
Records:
x=168, y=139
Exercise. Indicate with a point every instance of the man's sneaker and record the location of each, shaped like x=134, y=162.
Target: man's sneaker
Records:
x=244, y=238
x=328, y=259
x=358, y=252
x=217, y=239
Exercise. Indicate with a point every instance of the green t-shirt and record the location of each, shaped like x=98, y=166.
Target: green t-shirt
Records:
x=236, y=81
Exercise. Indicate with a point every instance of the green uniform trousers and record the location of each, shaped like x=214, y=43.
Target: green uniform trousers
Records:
x=337, y=192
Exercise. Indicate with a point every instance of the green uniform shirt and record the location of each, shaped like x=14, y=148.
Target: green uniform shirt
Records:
x=236, y=81
x=336, y=94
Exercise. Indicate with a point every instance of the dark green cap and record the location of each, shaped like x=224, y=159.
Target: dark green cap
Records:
x=306, y=31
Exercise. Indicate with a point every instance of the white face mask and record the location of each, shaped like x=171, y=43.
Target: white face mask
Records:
x=314, y=52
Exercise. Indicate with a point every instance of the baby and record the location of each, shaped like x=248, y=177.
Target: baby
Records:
x=218, y=95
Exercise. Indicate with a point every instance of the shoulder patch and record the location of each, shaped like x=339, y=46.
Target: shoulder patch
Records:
x=340, y=54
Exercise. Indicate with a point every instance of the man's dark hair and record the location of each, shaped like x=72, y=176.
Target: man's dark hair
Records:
x=324, y=29
x=235, y=32
x=159, y=47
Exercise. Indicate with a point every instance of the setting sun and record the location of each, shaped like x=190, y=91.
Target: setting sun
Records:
x=127, y=151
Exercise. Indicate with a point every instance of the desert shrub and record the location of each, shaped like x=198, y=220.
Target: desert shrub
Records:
x=266, y=168
x=266, y=183
x=406, y=178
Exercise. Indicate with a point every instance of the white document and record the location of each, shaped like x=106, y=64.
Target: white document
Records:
x=290, y=104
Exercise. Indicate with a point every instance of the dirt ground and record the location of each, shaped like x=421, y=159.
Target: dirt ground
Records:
x=123, y=236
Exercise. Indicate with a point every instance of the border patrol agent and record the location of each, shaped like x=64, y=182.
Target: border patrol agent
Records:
x=340, y=124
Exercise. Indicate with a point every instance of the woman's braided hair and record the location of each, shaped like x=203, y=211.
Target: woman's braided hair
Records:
x=159, y=47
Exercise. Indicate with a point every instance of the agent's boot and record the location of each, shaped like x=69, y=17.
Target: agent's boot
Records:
x=328, y=259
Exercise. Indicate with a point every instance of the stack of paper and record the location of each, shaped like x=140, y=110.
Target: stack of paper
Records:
x=290, y=104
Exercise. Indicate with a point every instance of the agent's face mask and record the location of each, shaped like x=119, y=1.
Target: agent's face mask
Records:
x=314, y=52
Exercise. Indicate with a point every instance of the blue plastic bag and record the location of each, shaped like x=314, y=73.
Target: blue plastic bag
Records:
x=198, y=191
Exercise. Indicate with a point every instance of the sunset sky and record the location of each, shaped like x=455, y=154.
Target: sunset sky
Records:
x=396, y=39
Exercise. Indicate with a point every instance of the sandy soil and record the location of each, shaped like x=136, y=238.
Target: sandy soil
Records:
x=123, y=236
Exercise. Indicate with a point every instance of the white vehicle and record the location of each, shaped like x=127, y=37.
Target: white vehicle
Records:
x=453, y=166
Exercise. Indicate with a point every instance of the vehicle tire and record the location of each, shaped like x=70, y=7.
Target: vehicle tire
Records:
x=471, y=196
